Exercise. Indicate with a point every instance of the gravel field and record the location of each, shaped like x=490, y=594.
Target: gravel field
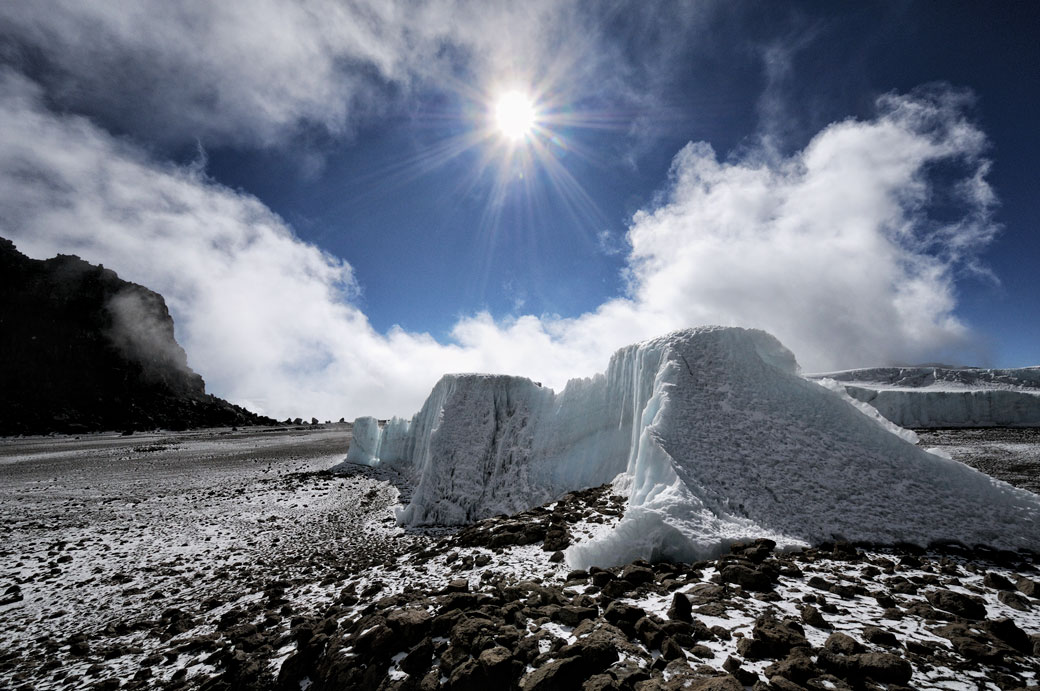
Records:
x=1013, y=455
x=144, y=536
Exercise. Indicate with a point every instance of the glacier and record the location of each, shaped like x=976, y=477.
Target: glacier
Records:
x=713, y=436
x=936, y=396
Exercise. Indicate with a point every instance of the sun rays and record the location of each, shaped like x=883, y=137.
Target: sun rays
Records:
x=518, y=149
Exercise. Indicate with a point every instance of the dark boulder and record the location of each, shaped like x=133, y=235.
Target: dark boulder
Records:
x=797, y=667
x=597, y=652
x=410, y=625
x=997, y=582
x=725, y=682
x=1007, y=631
x=812, y=617
x=1028, y=586
x=881, y=667
x=681, y=609
x=474, y=634
x=558, y=675
x=376, y=641
x=637, y=575
x=752, y=579
x=1014, y=600
x=842, y=644
x=884, y=667
x=623, y=616
x=469, y=676
x=649, y=632
x=556, y=539
x=879, y=636
x=572, y=615
x=418, y=659
x=775, y=638
x=967, y=606
x=704, y=593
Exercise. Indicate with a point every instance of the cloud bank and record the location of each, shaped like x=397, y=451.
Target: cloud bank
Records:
x=836, y=250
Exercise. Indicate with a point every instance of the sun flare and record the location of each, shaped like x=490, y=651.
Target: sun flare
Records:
x=514, y=115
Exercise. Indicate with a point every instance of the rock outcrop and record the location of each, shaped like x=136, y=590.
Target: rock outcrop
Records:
x=83, y=350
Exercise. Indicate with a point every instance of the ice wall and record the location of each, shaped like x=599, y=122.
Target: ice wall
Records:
x=924, y=408
x=924, y=397
x=714, y=437
x=941, y=377
x=473, y=450
x=364, y=441
x=489, y=444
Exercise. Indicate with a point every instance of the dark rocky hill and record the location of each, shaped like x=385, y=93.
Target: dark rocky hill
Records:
x=83, y=350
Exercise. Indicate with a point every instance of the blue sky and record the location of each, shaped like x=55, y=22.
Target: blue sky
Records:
x=319, y=190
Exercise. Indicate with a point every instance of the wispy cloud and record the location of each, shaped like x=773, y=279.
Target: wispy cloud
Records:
x=610, y=244
x=833, y=249
x=259, y=73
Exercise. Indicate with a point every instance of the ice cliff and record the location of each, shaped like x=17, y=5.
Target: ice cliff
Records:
x=947, y=396
x=713, y=436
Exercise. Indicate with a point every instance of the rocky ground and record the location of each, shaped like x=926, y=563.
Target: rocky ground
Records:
x=224, y=560
x=835, y=617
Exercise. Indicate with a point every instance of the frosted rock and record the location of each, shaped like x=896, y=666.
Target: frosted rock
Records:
x=713, y=436
x=947, y=396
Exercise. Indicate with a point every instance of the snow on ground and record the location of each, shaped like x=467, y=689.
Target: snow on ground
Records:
x=718, y=439
x=882, y=598
x=180, y=560
x=853, y=613
x=118, y=548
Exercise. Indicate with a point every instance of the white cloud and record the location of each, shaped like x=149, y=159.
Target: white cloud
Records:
x=245, y=72
x=832, y=250
x=258, y=72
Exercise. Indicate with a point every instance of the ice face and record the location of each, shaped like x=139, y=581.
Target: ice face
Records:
x=939, y=377
x=364, y=443
x=713, y=436
x=937, y=408
x=948, y=397
x=475, y=460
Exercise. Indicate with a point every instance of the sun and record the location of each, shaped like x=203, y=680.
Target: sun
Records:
x=515, y=115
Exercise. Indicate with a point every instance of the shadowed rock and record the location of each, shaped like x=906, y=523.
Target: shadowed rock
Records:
x=82, y=350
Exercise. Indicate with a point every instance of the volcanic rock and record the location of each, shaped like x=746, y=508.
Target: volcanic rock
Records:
x=83, y=350
x=962, y=605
